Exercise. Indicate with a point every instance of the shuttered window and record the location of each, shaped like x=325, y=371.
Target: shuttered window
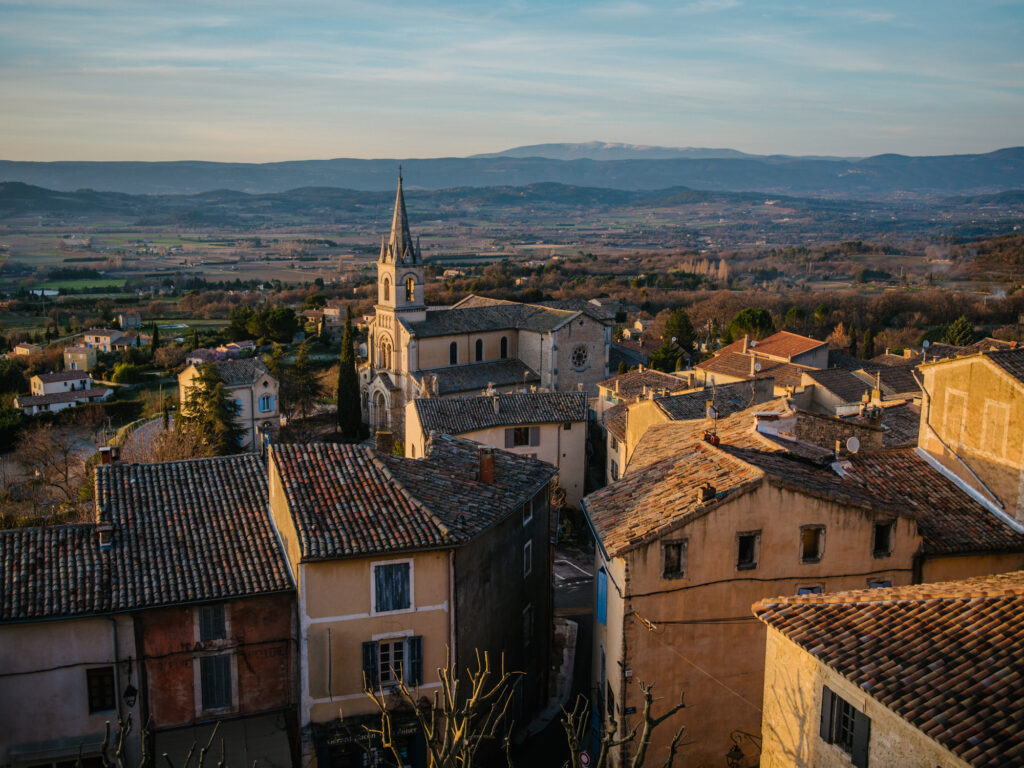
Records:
x=516, y=436
x=100, y=684
x=215, y=680
x=391, y=587
x=385, y=660
x=212, y=623
x=845, y=726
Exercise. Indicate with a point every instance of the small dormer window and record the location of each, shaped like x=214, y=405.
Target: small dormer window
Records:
x=410, y=289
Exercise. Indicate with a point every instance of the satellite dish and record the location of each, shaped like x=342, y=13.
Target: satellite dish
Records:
x=853, y=444
x=926, y=344
x=753, y=342
x=757, y=367
x=712, y=412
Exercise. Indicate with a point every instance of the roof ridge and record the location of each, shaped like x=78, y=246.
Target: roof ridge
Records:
x=390, y=477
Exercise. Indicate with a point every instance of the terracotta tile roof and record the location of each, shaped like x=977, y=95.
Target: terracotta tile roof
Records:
x=49, y=378
x=632, y=384
x=948, y=658
x=887, y=358
x=841, y=383
x=183, y=531
x=238, y=373
x=728, y=399
x=348, y=500
x=949, y=520
x=895, y=380
x=614, y=420
x=475, y=377
x=736, y=364
x=459, y=415
x=783, y=345
x=840, y=358
x=1010, y=360
x=672, y=460
x=71, y=396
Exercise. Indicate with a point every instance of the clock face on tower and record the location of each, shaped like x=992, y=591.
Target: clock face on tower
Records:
x=579, y=357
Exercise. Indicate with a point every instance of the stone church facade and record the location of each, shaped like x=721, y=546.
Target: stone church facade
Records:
x=476, y=345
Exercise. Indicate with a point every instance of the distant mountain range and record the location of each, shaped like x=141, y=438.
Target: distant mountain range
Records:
x=612, y=166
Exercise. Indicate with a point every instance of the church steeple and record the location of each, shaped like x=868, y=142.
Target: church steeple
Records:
x=400, y=248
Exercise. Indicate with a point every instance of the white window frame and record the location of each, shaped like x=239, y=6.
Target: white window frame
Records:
x=528, y=512
x=270, y=401
x=527, y=558
x=412, y=587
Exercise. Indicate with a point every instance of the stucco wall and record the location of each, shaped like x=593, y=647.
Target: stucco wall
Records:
x=792, y=708
x=259, y=637
x=977, y=409
x=687, y=622
x=43, y=690
x=338, y=620
x=434, y=352
x=590, y=335
x=954, y=568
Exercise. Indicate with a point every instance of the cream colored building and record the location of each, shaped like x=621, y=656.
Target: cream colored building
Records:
x=397, y=563
x=711, y=517
x=79, y=358
x=475, y=345
x=252, y=388
x=971, y=425
x=550, y=426
x=906, y=677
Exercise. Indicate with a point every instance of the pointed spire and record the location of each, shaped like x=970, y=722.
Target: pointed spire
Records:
x=400, y=244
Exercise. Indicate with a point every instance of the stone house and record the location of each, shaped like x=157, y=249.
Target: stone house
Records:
x=712, y=517
x=970, y=426
x=398, y=563
x=783, y=356
x=25, y=349
x=102, y=339
x=885, y=678
x=475, y=345
x=129, y=320
x=550, y=426
x=175, y=606
x=79, y=358
x=253, y=389
x=52, y=392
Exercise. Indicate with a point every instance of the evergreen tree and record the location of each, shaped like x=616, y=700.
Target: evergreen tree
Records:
x=679, y=327
x=959, y=333
x=208, y=410
x=868, y=351
x=622, y=367
x=304, y=387
x=195, y=338
x=155, y=341
x=350, y=418
x=755, y=321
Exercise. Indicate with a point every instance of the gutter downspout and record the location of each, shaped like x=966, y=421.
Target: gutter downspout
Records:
x=454, y=608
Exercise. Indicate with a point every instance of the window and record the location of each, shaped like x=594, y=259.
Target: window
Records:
x=528, y=512
x=516, y=436
x=410, y=289
x=673, y=558
x=613, y=442
x=479, y=350
x=100, y=684
x=579, y=357
x=387, y=290
x=212, y=623
x=392, y=589
x=615, y=470
x=215, y=681
x=527, y=558
x=747, y=550
x=845, y=726
x=504, y=347
x=567, y=426
x=814, y=589
x=812, y=540
x=266, y=403
x=881, y=539
x=879, y=583
x=389, y=661
x=453, y=353
x=527, y=624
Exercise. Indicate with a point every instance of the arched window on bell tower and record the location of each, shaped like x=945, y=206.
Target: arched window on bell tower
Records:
x=386, y=289
x=410, y=290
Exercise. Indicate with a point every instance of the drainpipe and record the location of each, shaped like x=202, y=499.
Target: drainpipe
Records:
x=454, y=603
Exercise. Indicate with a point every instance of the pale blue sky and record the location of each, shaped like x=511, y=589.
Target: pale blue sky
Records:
x=258, y=81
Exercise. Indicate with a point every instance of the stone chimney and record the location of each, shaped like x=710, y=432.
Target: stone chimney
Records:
x=746, y=343
x=706, y=493
x=109, y=454
x=753, y=365
x=496, y=404
x=383, y=441
x=486, y=473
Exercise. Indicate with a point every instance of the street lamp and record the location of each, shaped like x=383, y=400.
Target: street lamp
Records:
x=131, y=694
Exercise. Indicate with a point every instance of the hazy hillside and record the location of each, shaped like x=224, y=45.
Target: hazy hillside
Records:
x=880, y=177
x=603, y=150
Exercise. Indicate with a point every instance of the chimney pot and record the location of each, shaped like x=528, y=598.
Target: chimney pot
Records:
x=105, y=455
x=705, y=493
x=486, y=474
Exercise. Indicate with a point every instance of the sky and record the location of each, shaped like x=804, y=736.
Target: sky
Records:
x=257, y=81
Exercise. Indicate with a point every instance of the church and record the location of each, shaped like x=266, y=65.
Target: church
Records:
x=477, y=345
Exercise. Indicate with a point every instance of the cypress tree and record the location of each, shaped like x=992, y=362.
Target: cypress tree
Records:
x=350, y=418
x=155, y=342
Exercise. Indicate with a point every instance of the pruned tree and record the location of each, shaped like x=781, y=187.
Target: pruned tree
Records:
x=577, y=722
x=57, y=456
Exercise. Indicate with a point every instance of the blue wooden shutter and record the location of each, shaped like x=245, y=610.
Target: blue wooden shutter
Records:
x=825, y=726
x=602, y=596
x=391, y=585
x=370, y=668
x=215, y=680
x=414, y=660
x=861, y=737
